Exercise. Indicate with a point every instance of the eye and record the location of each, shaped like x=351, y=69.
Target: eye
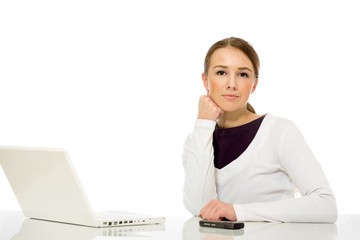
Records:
x=220, y=73
x=243, y=74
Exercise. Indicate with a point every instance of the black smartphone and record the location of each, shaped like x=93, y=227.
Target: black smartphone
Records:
x=222, y=224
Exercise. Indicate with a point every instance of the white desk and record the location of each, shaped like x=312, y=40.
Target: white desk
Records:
x=15, y=227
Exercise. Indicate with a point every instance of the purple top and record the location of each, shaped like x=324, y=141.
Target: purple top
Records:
x=230, y=143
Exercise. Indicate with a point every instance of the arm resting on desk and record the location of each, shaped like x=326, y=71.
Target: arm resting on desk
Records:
x=318, y=203
x=198, y=161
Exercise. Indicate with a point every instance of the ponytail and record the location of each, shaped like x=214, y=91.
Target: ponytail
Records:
x=250, y=108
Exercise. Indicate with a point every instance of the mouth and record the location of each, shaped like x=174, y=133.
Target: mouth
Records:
x=230, y=96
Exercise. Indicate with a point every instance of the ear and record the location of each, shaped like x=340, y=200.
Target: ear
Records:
x=255, y=85
x=205, y=82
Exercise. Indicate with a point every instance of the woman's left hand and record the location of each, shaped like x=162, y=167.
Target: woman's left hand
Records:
x=216, y=210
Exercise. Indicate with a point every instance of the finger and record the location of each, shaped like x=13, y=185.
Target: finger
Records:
x=211, y=214
x=216, y=215
x=205, y=212
x=210, y=211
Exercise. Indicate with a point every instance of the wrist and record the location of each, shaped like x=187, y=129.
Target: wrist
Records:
x=207, y=117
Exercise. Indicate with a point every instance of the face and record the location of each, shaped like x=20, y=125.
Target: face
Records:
x=230, y=79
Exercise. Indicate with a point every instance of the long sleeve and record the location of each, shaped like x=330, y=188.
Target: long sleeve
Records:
x=260, y=183
x=317, y=203
x=198, y=162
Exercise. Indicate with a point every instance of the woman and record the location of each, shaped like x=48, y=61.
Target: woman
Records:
x=243, y=166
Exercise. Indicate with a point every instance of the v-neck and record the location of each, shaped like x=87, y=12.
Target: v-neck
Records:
x=230, y=143
x=241, y=160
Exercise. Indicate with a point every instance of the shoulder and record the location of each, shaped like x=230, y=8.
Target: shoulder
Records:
x=278, y=122
x=278, y=127
x=285, y=132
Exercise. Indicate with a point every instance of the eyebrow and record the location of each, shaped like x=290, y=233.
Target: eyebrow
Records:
x=240, y=68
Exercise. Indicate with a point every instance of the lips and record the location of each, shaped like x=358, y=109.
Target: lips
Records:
x=230, y=96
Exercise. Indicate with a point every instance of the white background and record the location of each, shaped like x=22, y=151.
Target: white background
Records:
x=117, y=83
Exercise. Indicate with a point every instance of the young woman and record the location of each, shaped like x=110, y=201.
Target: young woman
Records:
x=243, y=166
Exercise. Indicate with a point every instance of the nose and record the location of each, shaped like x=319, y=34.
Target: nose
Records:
x=232, y=84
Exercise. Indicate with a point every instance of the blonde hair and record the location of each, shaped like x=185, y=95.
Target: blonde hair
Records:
x=244, y=47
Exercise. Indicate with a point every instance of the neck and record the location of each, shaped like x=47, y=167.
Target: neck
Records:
x=237, y=118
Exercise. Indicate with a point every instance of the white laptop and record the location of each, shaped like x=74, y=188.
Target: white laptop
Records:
x=48, y=188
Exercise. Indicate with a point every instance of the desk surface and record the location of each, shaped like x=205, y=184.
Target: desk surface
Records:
x=15, y=227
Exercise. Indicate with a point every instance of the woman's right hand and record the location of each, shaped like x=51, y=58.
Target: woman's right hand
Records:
x=208, y=109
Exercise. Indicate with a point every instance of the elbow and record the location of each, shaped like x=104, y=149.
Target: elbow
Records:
x=330, y=210
x=191, y=207
x=333, y=211
x=334, y=217
x=330, y=217
x=192, y=199
x=188, y=200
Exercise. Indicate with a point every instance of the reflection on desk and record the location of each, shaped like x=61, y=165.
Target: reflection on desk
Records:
x=14, y=226
x=44, y=230
x=261, y=231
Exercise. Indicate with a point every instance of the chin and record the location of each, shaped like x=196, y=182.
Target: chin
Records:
x=231, y=107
